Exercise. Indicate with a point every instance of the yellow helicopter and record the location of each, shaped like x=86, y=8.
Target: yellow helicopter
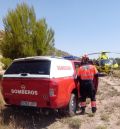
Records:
x=105, y=64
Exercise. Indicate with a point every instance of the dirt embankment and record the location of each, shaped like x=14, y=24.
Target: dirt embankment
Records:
x=106, y=117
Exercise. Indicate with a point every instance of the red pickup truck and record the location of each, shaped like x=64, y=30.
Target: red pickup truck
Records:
x=43, y=82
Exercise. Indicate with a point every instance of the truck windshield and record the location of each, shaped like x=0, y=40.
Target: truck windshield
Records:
x=30, y=66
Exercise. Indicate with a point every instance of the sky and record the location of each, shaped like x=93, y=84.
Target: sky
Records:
x=80, y=26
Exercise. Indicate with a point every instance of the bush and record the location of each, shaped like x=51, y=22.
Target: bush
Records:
x=6, y=62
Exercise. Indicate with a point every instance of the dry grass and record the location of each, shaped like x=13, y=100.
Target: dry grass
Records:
x=91, y=114
x=118, y=123
x=101, y=127
x=105, y=117
x=2, y=102
x=74, y=123
x=113, y=92
x=88, y=101
x=117, y=73
x=25, y=118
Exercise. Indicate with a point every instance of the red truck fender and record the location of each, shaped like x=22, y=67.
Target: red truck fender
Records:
x=72, y=89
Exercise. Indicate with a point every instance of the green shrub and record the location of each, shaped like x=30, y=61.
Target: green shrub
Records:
x=6, y=62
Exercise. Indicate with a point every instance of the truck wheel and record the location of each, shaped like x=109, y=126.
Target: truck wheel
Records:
x=72, y=106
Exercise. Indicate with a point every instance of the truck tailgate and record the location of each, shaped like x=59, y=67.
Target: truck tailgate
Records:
x=26, y=92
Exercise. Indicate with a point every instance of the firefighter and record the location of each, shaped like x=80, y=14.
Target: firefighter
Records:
x=86, y=73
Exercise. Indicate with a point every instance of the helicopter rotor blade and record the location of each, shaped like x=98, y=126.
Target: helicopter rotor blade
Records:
x=102, y=52
x=115, y=52
x=94, y=53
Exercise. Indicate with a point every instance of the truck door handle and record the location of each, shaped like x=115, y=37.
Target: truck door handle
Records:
x=23, y=74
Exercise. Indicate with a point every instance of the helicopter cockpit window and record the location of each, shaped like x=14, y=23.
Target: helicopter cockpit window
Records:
x=103, y=62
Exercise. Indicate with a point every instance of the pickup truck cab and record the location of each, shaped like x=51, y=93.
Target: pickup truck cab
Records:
x=43, y=82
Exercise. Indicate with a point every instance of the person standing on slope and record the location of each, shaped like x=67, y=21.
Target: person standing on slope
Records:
x=86, y=73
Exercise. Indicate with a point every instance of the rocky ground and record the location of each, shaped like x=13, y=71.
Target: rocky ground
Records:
x=106, y=117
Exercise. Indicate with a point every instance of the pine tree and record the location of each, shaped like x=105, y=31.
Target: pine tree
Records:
x=24, y=35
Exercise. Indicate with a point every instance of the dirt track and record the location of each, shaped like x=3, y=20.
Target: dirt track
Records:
x=106, y=117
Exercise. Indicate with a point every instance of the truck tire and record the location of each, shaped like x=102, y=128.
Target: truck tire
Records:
x=72, y=106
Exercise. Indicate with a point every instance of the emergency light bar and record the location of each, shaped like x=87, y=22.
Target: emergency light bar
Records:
x=71, y=57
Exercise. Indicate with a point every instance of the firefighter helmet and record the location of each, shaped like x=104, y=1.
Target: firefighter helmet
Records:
x=85, y=59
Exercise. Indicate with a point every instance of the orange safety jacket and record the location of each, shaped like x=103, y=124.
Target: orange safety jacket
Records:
x=87, y=72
